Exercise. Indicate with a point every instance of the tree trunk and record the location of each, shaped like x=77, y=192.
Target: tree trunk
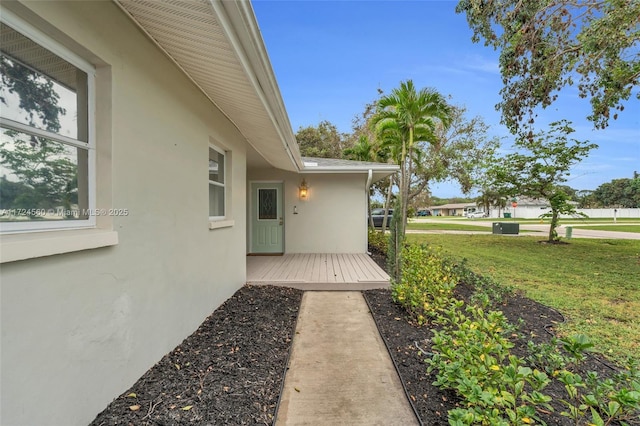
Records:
x=386, y=205
x=553, y=235
x=371, y=225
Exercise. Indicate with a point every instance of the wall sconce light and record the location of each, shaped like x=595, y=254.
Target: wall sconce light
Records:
x=303, y=190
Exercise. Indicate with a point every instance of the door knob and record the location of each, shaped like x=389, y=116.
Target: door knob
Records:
x=281, y=221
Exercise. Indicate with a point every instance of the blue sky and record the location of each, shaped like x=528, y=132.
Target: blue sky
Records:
x=330, y=57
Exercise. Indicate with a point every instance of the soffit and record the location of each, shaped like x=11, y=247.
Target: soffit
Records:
x=30, y=54
x=218, y=45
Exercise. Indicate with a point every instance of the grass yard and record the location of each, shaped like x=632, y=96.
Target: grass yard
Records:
x=619, y=228
x=594, y=283
x=430, y=226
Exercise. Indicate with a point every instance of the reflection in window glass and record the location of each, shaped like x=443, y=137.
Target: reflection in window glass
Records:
x=40, y=89
x=216, y=183
x=216, y=200
x=44, y=139
x=41, y=179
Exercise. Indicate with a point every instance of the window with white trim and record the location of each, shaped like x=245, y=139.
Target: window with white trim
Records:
x=47, y=144
x=217, y=183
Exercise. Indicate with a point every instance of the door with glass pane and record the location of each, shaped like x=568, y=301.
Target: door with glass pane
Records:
x=267, y=228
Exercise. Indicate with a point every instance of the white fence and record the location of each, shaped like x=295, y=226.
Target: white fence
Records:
x=535, y=212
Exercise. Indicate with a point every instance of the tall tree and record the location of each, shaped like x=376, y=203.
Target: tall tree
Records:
x=461, y=152
x=324, y=141
x=623, y=193
x=540, y=167
x=363, y=150
x=546, y=45
x=403, y=118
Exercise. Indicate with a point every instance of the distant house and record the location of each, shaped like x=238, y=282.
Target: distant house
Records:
x=456, y=209
x=185, y=162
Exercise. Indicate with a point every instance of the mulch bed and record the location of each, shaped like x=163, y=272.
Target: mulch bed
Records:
x=431, y=403
x=229, y=371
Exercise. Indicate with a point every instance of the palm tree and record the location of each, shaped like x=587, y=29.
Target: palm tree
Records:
x=363, y=150
x=404, y=118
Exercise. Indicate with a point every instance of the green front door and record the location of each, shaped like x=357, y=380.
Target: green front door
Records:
x=267, y=225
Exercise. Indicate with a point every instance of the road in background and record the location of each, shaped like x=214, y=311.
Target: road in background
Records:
x=535, y=229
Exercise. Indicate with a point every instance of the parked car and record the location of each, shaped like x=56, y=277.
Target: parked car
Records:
x=378, y=217
x=423, y=213
x=476, y=214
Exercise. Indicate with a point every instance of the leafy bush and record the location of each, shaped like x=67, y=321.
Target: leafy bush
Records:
x=471, y=353
x=396, y=242
x=426, y=283
x=482, y=285
x=472, y=357
x=602, y=401
x=378, y=241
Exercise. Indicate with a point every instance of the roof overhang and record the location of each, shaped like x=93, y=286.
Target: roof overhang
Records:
x=218, y=45
x=329, y=165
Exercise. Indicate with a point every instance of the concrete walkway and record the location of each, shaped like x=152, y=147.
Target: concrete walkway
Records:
x=340, y=372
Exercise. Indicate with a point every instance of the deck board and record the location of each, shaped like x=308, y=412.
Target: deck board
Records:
x=317, y=271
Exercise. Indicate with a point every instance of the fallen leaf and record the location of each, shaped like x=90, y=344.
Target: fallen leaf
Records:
x=134, y=408
x=187, y=408
x=296, y=389
x=177, y=366
x=132, y=395
x=225, y=388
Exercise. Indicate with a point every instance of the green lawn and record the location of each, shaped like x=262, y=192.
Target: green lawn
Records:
x=619, y=228
x=447, y=226
x=594, y=283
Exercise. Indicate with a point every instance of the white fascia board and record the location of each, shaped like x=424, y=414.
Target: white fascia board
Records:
x=238, y=21
x=339, y=170
x=390, y=169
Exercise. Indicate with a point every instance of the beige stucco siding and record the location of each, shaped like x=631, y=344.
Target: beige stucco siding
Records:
x=79, y=328
x=331, y=220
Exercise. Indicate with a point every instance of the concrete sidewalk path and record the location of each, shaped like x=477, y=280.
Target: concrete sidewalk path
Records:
x=340, y=372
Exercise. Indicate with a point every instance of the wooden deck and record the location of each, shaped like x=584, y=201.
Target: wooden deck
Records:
x=317, y=271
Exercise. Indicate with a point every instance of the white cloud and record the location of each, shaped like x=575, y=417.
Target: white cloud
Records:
x=480, y=63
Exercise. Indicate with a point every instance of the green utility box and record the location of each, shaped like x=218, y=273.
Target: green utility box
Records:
x=507, y=215
x=569, y=231
x=506, y=228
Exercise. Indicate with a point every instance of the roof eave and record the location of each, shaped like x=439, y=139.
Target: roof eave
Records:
x=255, y=59
x=237, y=24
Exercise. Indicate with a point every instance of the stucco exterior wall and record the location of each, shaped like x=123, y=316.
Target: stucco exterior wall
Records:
x=332, y=220
x=79, y=328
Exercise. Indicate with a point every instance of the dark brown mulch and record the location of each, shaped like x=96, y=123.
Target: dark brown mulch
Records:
x=229, y=371
x=431, y=403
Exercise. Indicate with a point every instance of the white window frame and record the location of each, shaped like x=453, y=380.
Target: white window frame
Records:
x=223, y=185
x=45, y=41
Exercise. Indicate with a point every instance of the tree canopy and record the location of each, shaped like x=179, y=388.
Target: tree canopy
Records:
x=546, y=45
x=540, y=167
x=323, y=140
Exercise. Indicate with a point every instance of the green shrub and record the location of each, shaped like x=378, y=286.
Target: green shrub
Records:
x=472, y=357
x=483, y=285
x=396, y=242
x=378, y=241
x=426, y=283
